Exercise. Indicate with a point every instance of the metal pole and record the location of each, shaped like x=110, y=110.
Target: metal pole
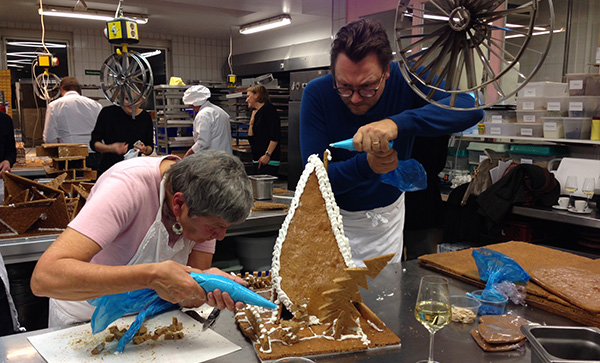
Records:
x=567, y=39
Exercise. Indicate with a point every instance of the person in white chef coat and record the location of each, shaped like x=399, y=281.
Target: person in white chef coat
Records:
x=212, y=129
x=71, y=118
x=147, y=223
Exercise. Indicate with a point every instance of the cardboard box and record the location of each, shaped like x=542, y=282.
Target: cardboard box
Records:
x=33, y=125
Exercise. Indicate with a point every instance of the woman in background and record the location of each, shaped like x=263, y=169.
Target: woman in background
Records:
x=264, y=132
x=116, y=132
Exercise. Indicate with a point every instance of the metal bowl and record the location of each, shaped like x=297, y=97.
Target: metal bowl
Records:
x=563, y=344
x=262, y=186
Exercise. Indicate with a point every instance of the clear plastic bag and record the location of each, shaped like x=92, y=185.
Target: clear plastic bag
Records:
x=409, y=176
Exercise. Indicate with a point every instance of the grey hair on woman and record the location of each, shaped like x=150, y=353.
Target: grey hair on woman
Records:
x=213, y=183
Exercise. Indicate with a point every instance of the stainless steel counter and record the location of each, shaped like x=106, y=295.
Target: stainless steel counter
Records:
x=392, y=297
x=25, y=249
x=29, y=171
x=585, y=220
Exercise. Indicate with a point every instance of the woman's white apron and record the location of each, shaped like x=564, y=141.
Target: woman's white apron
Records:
x=154, y=248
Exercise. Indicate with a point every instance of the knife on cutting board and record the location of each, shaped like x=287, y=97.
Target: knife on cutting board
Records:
x=207, y=322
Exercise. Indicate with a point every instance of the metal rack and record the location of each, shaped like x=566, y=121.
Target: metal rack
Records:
x=172, y=120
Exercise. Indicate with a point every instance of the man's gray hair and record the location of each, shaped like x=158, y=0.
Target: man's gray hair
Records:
x=213, y=183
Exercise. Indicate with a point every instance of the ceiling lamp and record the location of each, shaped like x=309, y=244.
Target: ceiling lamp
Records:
x=67, y=12
x=262, y=25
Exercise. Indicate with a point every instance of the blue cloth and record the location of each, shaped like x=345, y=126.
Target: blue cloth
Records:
x=324, y=119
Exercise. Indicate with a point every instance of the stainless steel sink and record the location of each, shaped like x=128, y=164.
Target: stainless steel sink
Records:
x=557, y=344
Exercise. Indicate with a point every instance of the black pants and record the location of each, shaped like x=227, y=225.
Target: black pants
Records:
x=93, y=160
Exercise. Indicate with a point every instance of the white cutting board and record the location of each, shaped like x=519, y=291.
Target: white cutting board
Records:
x=75, y=344
x=581, y=168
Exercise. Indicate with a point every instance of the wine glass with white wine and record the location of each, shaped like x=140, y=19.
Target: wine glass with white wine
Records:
x=589, y=185
x=571, y=187
x=433, y=307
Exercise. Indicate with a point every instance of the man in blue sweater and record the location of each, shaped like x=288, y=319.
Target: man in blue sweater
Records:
x=366, y=98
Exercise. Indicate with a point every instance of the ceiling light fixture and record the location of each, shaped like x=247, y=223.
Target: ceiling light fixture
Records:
x=262, y=25
x=90, y=14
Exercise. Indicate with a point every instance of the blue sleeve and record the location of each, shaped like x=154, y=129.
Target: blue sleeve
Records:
x=432, y=120
x=429, y=120
x=318, y=114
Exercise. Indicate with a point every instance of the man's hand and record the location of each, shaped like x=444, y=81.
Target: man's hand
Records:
x=375, y=136
x=4, y=166
x=383, y=161
x=140, y=147
x=119, y=148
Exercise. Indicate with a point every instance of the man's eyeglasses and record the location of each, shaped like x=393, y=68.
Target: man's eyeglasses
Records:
x=363, y=92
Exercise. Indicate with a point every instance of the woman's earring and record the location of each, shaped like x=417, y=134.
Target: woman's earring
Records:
x=177, y=228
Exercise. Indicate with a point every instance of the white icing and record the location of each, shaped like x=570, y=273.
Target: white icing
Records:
x=373, y=325
x=333, y=212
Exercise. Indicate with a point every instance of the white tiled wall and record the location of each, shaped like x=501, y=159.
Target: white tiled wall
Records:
x=191, y=58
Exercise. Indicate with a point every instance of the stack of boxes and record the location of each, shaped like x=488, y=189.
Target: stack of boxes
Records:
x=549, y=109
x=538, y=100
x=565, y=110
x=6, y=89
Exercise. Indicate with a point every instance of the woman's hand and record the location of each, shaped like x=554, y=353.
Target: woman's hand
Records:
x=4, y=166
x=174, y=284
x=264, y=160
x=220, y=299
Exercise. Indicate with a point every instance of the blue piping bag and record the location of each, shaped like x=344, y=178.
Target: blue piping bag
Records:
x=147, y=303
x=347, y=144
x=235, y=290
x=409, y=176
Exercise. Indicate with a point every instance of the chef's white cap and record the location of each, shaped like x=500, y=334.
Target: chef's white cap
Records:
x=196, y=95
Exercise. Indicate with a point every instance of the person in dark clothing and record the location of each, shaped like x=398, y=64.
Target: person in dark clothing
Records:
x=424, y=207
x=8, y=156
x=8, y=150
x=116, y=132
x=264, y=132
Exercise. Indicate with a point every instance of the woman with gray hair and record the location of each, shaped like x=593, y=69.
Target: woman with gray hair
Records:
x=147, y=223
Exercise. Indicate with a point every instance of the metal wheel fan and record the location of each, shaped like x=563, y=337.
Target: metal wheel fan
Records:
x=126, y=78
x=46, y=86
x=468, y=46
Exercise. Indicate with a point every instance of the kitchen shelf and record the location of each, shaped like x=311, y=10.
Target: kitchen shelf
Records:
x=537, y=140
x=172, y=121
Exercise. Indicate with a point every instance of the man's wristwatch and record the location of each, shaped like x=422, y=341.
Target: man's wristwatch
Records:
x=268, y=153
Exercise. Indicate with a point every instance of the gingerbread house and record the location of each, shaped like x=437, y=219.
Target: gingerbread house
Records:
x=315, y=283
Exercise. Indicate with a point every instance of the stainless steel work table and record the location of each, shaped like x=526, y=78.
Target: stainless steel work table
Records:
x=591, y=219
x=26, y=249
x=392, y=297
